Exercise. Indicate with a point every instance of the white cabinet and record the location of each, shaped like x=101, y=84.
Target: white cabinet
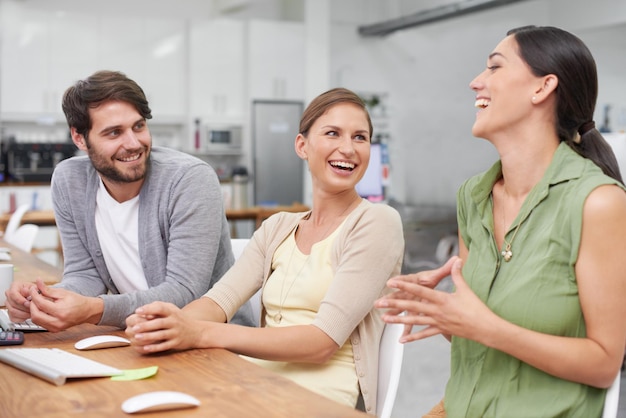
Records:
x=43, y=53
x=232, y=63
x=217, y=67
x=120, y=45
x=72, y=54
x=165, y=78
x=24, y=63
x=152, y=52
x=276, y=67
x=210, y=69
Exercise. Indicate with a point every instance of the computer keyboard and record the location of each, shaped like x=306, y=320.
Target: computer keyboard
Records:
x=7, y=325
x=55, y=365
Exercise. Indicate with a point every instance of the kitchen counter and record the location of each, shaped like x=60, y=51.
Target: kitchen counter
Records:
x=255, y=213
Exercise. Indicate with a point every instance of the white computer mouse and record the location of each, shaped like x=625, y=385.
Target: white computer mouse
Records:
x=101, y=341
x=158, y=401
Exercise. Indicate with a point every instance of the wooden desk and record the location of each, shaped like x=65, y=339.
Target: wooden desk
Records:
x=225, y=384
x=28, y=268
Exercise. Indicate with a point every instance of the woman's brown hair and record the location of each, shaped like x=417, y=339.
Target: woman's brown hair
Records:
x=325, y=101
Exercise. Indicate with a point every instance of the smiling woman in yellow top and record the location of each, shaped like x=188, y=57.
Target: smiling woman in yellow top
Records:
x=320, y=272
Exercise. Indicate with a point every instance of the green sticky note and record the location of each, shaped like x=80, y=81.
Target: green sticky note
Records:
x=137, y=374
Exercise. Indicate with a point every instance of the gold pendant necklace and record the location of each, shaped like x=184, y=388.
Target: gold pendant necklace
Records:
x=507, y=252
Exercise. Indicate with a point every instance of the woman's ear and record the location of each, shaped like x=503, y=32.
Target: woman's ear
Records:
x=300, y=147
x=545, y=89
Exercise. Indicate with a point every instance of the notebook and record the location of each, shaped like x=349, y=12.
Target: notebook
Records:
x=55, y=365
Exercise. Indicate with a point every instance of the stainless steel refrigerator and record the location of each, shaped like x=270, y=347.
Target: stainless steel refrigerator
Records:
x=277, y=171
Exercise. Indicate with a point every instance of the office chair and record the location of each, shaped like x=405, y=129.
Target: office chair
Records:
x=24, y=237
x=390, y=357
x=611, y=401
x=15, y=220
x=238, y=245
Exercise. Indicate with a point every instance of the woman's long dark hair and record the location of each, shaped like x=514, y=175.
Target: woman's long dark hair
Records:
x=550, y=50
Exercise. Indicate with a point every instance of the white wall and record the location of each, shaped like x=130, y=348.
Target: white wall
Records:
x=427, y=70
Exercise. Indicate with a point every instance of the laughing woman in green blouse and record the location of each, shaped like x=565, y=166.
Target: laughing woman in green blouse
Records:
x=537, y=319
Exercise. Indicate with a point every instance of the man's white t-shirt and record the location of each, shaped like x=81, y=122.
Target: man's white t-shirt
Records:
x=118, y=232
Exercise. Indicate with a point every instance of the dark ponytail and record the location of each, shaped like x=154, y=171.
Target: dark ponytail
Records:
x=549, y=50
x=592, y=145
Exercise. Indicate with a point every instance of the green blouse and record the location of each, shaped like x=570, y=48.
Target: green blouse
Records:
x=536, y=289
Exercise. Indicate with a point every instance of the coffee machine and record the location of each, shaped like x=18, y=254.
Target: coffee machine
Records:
x=34, y=161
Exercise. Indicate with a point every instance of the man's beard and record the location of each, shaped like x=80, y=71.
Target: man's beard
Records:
x=109, y=171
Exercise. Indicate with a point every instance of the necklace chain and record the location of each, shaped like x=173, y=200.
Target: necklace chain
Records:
x=278, y=316
x=507, y=252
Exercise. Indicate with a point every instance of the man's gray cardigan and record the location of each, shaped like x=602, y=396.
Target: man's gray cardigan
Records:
x=184, y=240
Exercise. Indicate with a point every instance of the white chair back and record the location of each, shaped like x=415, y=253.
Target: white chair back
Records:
x=611, y=402
x=15, y=220
x=238, y=245
x=24, y=237
x=390, y=357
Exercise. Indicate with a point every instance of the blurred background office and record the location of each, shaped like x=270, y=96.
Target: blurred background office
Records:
x=226, y=80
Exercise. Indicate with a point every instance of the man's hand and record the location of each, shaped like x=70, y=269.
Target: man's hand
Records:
x=59, y=309
x=18, y=301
